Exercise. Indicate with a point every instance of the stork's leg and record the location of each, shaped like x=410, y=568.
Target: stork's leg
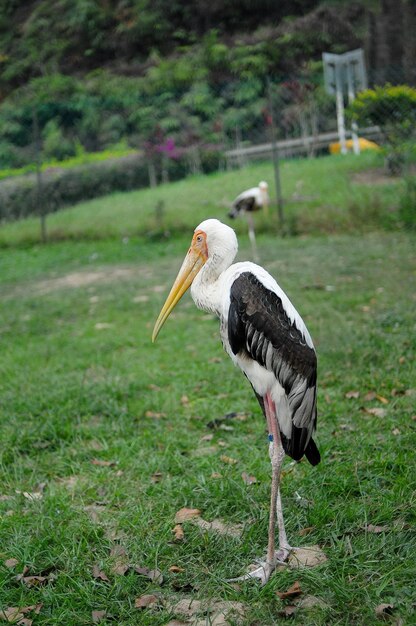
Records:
x=252, y=236
x=276, y=454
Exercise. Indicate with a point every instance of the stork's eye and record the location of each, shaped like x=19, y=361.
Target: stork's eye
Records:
x=199, y=238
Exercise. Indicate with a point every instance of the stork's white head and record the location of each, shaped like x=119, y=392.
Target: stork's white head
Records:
x=263, y=186
x=221, y=240
x=213, y=241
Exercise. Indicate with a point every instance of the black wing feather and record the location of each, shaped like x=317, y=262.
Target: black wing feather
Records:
x=244, y=204
x=259, y=328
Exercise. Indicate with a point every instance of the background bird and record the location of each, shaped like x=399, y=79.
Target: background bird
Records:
x=251, y=200
x=246, y=203
x=267, y=339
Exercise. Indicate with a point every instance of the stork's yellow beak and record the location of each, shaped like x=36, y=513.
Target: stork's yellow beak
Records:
x=193, y=262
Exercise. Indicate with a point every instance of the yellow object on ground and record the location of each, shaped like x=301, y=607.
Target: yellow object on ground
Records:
x=365, y=144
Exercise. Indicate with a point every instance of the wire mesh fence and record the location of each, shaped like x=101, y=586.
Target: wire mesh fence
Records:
x=120, y=140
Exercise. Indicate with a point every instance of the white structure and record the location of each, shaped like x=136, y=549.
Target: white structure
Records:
x=344, y=75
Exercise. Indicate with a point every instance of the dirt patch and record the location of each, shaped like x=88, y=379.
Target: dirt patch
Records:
x=76, y=280
x=376, y=176
x=83, y=279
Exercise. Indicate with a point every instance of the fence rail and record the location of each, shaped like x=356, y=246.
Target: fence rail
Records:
x=308, y=145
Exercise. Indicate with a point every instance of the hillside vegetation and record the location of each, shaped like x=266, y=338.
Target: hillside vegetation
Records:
x=85, y=76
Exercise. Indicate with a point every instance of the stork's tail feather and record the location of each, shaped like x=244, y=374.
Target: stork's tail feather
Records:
x=312, y=453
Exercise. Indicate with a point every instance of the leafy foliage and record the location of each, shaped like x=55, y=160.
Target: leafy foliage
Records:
x=126, y=71
x=393, y=108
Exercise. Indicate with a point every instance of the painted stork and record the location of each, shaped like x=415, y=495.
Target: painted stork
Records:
x=265, y=336
x=247, y=203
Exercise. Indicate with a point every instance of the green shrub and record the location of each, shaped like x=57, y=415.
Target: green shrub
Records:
x=63, y=186
x=55, y=144
x=393, y=108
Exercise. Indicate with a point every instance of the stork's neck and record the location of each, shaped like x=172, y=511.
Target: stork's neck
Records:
x=206, y=290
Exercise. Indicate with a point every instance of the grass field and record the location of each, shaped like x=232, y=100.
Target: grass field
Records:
x=323, y=195
x=105, y=436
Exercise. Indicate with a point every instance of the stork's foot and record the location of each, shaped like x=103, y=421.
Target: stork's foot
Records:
x=265, y=568
x=283, y=553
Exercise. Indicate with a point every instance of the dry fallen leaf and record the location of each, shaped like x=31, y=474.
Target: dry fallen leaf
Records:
x=15, y=615
x=384, y=610
x=311, y=556
x=249, y=480
x=186, y=514
x=227, y=428
x=288, y=610
x=97, y=616
x=102, y=463
x=120, y=568
x=232, y=530
x=144, y=601
x=178, y=532
x=310, y=602
x=218, y=610
x=293, y=591
x=35, y=495
x=99, y=574
x=305, y=531
x=12, y=614
x=35, y=580
x=184, y=400
x=154, y=575
x=33, y=608
x=94, y=511
x=157, y=477
x=11, y=563
x=175, y=569
x=352, y=394
x=69, y=482
x=396, y=431
x=187, y=607
x=376, y=529
x=227, y=459
x=118, y=550
x=382, y=399
x=377, y=411
x=207, y=437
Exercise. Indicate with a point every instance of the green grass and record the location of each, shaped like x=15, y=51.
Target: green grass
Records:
x=72, y=391
x=320, y=196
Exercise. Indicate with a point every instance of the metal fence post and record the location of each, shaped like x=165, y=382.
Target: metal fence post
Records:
x=40, y=209
x=275, y=153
